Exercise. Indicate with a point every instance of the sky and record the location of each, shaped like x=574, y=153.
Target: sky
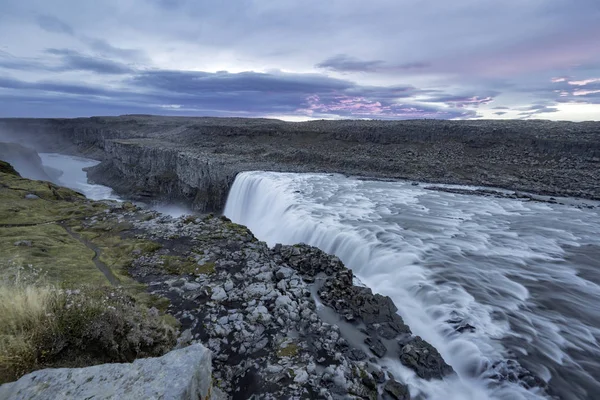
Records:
x=302, y=60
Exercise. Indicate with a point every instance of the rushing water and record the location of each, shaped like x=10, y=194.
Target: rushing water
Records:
x=74, y=176
x=524, y=275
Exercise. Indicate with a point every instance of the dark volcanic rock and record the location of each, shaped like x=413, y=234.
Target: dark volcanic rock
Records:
x=424, y=359
x=377, y=313
x=396, y=390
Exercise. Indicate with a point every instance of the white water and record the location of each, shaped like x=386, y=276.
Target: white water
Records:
x=74, y=177
x=526, y=275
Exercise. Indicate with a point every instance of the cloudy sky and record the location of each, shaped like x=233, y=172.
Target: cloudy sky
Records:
x=298, y=60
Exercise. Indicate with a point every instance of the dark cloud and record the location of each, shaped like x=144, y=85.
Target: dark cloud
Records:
x=104, y=48
x=500, y=112
x=406, y=59
x=72, y=60
x=246, y=93
x=537, y=109
x=52, y=24
x=65, y=60
x=345, y=63
x=462, y=101
x=191, y=82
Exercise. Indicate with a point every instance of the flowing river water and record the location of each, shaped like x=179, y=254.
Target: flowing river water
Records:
x=522, y=279
x=490, y=282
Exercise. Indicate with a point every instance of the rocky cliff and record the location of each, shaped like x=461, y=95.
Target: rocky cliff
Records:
x=196, y=159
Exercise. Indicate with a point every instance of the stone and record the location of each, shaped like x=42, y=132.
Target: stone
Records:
x=181, y=374
x=218, y=294
x=356, y=355
x=376, y=346
x=31, y=196
x=424, y=359
x=24, y=243
x=284, y=273
x=396, y=390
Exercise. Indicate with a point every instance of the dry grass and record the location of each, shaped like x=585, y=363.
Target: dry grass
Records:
x=43, y=326
x=25, y=306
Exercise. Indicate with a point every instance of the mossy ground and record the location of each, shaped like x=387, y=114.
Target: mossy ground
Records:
x=186, y=266
x=288, y=349
x=49, y=229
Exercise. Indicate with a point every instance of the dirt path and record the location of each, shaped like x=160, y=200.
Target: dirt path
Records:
x=96, y=259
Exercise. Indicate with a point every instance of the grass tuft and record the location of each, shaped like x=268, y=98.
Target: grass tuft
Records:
x=43, y=326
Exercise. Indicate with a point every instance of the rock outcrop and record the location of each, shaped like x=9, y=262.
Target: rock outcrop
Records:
x=196, y=159
x=27, y=162
x=183, y=374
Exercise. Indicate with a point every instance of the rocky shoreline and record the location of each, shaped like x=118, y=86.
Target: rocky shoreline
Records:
x=195, y=160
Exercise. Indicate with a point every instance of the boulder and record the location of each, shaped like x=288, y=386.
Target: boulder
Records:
x=181, y=374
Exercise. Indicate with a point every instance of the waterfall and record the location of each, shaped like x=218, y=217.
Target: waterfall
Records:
x=445, y=257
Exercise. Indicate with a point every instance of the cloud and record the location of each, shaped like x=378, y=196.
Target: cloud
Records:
x=585, y=92
x=584, y=82
x=106, y=49
x=463, y=101
x=345, y=63
x=247, y=93
x=500, y=112
x=536, y=109
x=64, y=60
x=52, y=24
x=72, y=60
x=403, y=58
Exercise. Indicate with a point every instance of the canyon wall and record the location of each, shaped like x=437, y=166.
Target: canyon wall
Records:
x=196, y=159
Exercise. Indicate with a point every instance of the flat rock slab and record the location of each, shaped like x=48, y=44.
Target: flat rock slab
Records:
x=180, y=374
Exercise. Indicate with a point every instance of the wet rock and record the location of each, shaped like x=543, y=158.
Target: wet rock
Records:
x=376, y=346
x=356, y=354
x=510, y=370
x=424, y=359
x=396, y=390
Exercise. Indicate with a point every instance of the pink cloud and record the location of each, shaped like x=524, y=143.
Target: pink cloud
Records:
x=364, y=108
x=583, y=92
x=584, y=82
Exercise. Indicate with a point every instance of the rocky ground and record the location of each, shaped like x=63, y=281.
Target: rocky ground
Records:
x=285, y=322
x=196, y=159
x=282, y=322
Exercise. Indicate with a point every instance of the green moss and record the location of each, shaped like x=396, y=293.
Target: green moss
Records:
x=61, y=257
x=53, y=203
x=288, y=350
x=186, y=266
x=237, y=228
x=6, y=168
